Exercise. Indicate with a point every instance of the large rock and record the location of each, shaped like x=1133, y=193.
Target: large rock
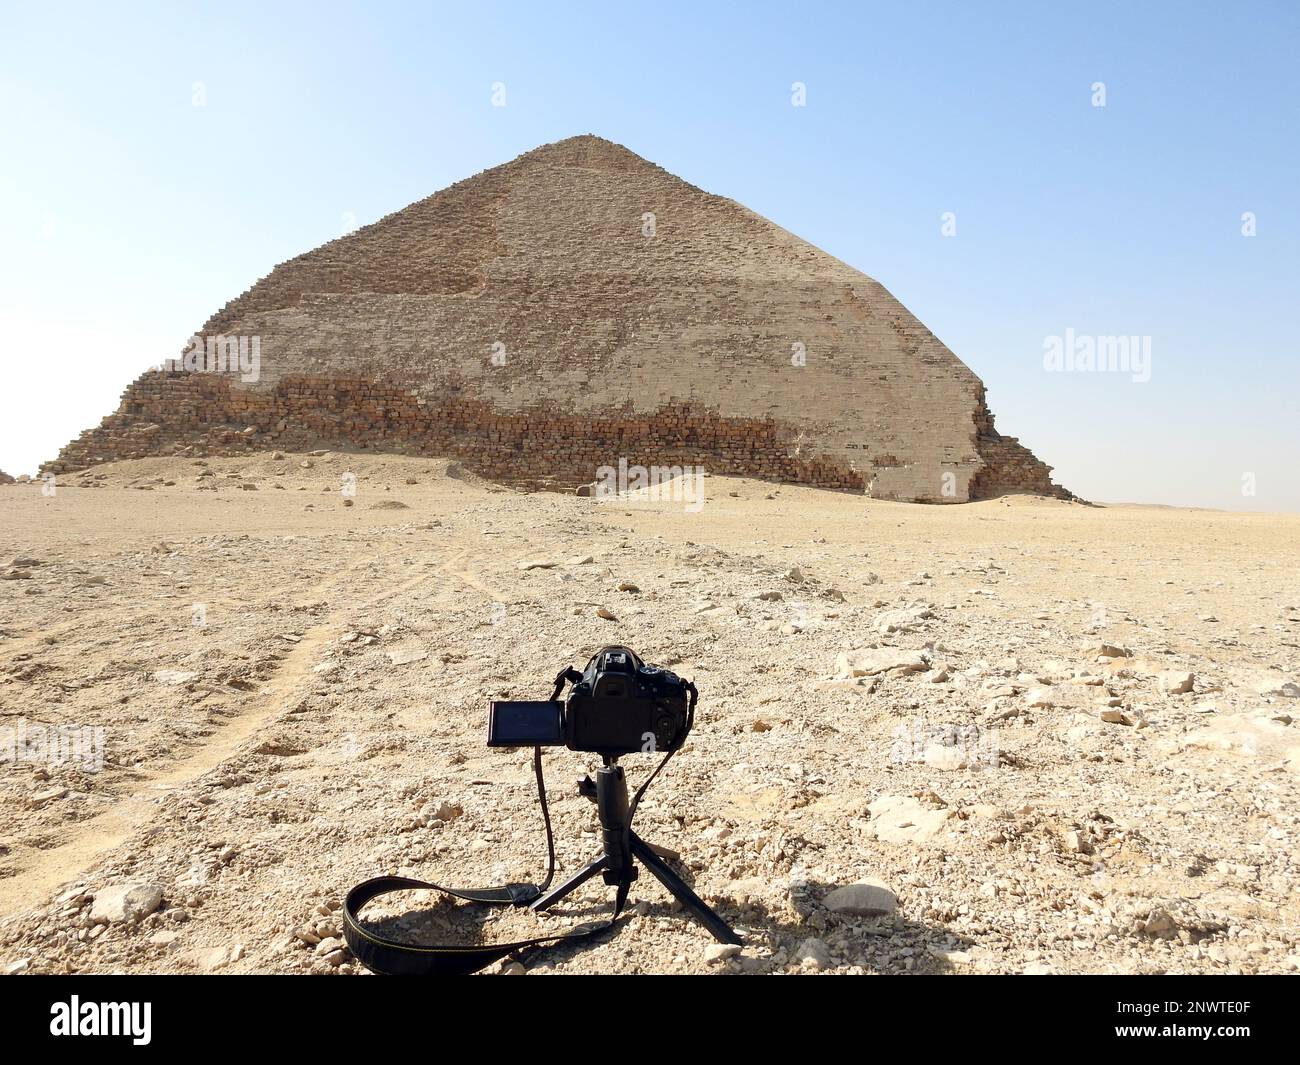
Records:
x=125, y=903
x=906, y=820
x=1258, y=736
x=868, y=661
x=867, y=898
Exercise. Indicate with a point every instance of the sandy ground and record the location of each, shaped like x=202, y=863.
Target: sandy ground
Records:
x=976, y=707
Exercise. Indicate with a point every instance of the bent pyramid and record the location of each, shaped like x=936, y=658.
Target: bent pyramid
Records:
x=571, y=308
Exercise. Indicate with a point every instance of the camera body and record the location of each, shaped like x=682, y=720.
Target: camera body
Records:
x=618, y=705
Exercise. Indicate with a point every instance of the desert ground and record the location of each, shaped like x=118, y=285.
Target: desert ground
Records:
x=1052, y=738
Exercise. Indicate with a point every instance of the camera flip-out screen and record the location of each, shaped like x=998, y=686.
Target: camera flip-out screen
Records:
x=525, y=724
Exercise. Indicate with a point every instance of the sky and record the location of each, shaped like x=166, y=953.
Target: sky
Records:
x=1023, y=177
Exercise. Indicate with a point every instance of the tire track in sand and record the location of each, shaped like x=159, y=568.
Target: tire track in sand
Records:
x=40, y=871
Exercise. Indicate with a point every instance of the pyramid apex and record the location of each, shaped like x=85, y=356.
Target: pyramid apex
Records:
x=585, y=150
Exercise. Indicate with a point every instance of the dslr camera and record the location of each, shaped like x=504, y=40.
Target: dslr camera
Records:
x=618, y=705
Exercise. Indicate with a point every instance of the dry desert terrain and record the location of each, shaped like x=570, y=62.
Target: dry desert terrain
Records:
x=1054, y=737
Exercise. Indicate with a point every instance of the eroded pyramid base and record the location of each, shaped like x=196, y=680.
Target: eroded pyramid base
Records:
x=171, y=412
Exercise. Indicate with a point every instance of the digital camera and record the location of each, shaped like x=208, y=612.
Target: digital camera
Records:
x=618, y=705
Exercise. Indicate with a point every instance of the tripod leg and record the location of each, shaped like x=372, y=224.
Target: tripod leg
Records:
x=682, y=892
x=572, y=884
x=666, y=853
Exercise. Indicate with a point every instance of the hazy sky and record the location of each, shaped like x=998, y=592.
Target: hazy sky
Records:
x=159, y=159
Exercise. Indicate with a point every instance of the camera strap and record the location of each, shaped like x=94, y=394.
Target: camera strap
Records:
x=381, y=954
x=392, y=957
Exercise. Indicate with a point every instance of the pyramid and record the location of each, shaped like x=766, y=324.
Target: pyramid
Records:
x=574, y=307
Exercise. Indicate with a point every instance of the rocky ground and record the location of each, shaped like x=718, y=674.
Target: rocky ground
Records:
x=1042, y=737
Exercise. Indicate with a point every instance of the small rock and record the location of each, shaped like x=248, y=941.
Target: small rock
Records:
x=1159, y=924
x=42, y=797
x=125, y=903
x=901, y=621
x=1269, y=687
x=945, y=758
x=1077, y=843
x=1177, y=683
x=716, y=952
x=868, y=898
x=1108, y=650
x=813, y=954
x=404, y=657
x=448, y=811
x=953, y=957
x=209, y=959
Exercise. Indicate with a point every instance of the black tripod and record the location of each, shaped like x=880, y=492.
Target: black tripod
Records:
x=623, y=848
